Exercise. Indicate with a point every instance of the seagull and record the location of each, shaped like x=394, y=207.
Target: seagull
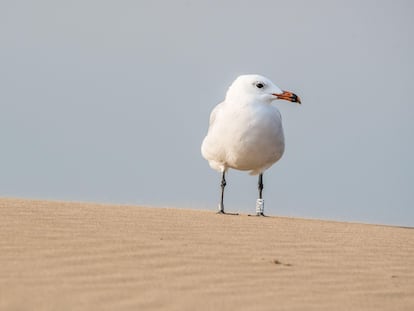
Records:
x=245, y=131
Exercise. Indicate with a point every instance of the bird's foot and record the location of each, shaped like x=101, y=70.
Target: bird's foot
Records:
x=226, y=213
x=257, y=215
x=222, y=212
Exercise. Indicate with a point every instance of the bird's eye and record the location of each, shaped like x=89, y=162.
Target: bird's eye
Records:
x=259, y=85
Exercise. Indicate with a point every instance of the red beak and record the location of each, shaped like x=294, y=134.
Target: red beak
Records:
x=286, y=95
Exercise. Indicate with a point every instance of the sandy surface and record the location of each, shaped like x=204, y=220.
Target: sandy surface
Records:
x=76, y=256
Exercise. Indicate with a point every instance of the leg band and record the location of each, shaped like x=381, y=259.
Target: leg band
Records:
x=259, y=207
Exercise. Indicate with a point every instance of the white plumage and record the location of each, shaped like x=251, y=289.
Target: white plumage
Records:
x=245, y=130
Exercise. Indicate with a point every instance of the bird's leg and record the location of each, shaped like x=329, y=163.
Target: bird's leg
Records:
x=223, y=184
x=260, y=185
x=260, y=201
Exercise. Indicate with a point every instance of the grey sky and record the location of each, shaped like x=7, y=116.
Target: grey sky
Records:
x=109, y=101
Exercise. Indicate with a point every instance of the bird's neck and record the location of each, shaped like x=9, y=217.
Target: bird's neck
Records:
x=234, y=97
x=243, y=101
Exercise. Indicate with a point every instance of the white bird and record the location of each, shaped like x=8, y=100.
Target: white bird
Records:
x=245, y=131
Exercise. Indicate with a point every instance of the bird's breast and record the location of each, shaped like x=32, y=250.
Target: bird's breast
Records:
x=256, y=139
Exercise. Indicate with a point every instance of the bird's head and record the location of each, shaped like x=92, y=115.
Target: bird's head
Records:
x=256, y=87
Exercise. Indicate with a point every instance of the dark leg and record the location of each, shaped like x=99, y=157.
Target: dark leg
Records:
x=260, y=201
x=223, y=184
x=260, y=186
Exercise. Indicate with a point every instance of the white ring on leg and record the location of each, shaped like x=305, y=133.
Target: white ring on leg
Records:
x=259, y=207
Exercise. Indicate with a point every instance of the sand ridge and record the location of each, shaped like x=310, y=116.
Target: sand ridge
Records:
x=83, y=256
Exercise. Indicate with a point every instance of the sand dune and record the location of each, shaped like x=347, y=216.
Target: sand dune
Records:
x=76, y=256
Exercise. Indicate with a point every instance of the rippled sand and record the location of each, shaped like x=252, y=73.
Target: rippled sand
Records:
x=77, y=256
